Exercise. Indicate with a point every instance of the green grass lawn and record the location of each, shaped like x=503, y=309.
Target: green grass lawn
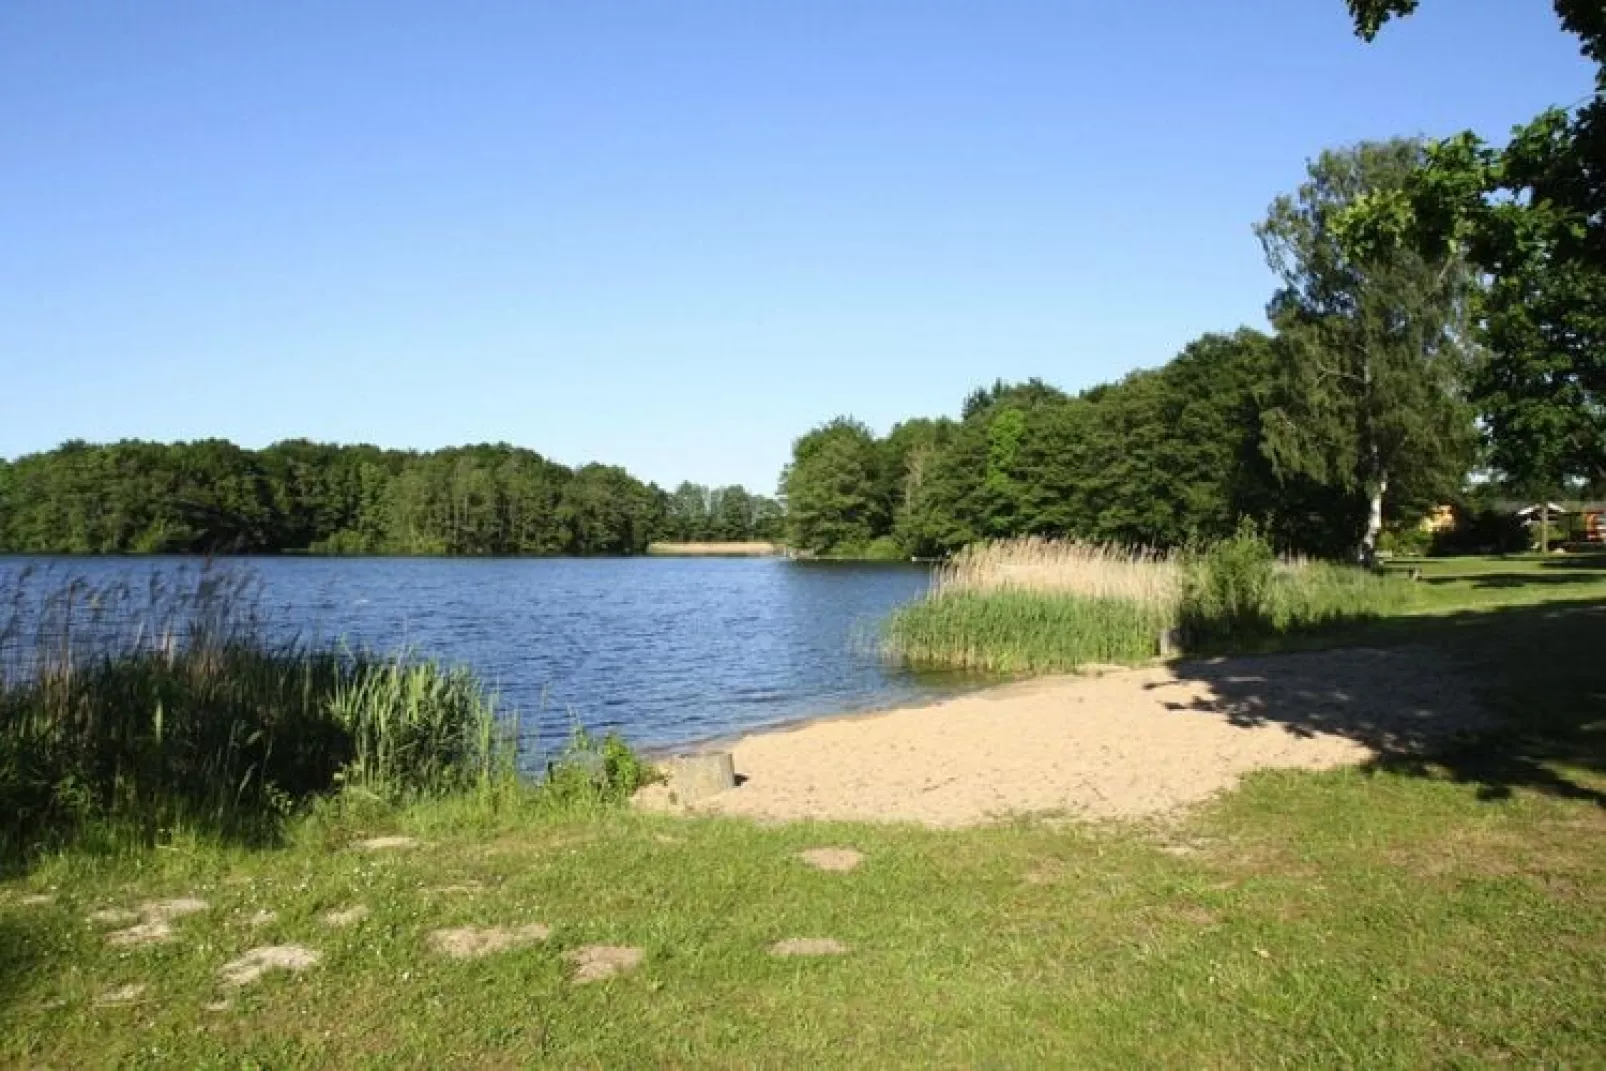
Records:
x=1413, y=912
x=1513, y=580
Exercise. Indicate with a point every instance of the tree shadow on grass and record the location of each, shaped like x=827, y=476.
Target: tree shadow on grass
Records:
x=1594, y=559
x=1505, y=699
x=1517, y=580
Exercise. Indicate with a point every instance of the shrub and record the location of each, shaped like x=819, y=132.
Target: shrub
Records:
x=1412, y=541
x=592, y=771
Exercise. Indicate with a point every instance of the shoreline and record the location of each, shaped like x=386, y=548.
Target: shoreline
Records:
x=726, y=741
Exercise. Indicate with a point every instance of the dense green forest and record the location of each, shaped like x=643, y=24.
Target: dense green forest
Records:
x=215, y=497
x=1162, y=457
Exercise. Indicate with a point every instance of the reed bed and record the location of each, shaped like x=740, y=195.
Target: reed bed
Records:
x=1151, y=578
x=1015, y=631
x=1037, y=605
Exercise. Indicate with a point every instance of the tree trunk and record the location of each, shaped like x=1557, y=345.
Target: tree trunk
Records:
x=1374, y=522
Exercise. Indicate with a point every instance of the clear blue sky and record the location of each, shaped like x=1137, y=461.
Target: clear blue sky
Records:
x=668, y=235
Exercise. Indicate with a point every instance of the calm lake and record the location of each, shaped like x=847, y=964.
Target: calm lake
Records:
x=665, y=650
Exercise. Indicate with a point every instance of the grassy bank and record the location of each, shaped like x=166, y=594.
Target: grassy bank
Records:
x=1035, y=605
x=1407, y=914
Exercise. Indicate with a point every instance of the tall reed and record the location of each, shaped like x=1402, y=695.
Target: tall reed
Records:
x=1149, y=577
x=130, y=710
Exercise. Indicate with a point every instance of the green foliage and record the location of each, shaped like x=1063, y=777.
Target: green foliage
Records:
x=414, y=726
x=879, y=549
x=212, y=497
x=1370, y=15
x=697, y=514
x=1409, y=541
x=1532, y=216
x=1162, y=458
x=832, y=488
x=1228, y=586
x=1235, y=593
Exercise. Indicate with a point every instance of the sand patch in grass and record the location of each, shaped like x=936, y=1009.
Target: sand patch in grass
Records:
x=349, y=916
x=167, y=910
x=123, y=994
x=382, y=844
x=145, y=933
x=809, y=946
x=259, y=961
x=156, y=923
x=471, y=942
x=834, y=859
x=593, y=963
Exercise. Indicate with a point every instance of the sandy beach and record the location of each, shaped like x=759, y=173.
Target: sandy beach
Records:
x=1117, y=744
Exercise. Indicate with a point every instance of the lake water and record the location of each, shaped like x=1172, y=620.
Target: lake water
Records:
x=665, y=650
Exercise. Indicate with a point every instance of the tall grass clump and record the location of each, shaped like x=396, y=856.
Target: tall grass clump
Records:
x=131, y=712
x=1037, y=605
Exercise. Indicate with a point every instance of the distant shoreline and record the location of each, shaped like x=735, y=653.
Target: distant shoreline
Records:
x=750, y=549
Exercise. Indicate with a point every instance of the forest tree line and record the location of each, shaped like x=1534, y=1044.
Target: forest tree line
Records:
x=298, y=496
x=1162, y=458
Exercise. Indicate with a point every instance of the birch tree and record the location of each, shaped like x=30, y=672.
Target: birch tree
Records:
x=1371, y=355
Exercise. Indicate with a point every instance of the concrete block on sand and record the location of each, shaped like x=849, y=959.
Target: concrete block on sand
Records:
x=695, y=777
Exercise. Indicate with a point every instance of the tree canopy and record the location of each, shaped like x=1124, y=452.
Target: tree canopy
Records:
x=1531, y=216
